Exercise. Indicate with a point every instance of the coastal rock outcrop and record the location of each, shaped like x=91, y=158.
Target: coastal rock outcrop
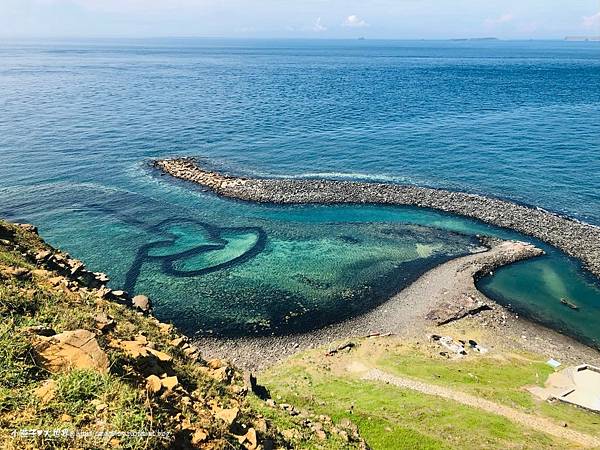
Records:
x=77, y=349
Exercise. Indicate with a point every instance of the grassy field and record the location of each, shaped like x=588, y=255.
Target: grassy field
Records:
x=394, y=418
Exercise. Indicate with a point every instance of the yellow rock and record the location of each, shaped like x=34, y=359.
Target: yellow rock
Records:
x=216, y=363
x=251, y=441
x=169, y=383
x=229, y=416
x=153, y=384
x=134, y=349
x=160, y=355
x=177, y=342
x=46, y=391
x=141, y=339
x=220, y=374
x=199, y=436
x=165, y=328
x=77, y=349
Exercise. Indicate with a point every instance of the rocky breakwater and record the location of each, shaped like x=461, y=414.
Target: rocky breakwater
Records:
x=575, y=238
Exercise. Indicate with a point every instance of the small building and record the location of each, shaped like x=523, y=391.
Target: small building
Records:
x=579, y=385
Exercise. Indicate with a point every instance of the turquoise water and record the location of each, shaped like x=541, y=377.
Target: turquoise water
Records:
x=80, y=121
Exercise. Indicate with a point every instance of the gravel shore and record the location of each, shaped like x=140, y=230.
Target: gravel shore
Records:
x=446, y=294
x=575, y=238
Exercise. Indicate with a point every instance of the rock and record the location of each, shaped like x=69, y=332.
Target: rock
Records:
x=178, y=342
x=455, y=309
x=119, y=296
x=133, y=349
x=165, y=328
x=153, y=384
x=229, y=416
x=42, y=256
x=41, y=273
x=221, y=374
x=27, y=227
x=19, y=273
x=261, y=425
x=169, y=383
x=142, y=303
x=216, y=363
x=199, y=436
x=346, y=345
x=291, y=434
x=191, y=351
x=77, y=349
x=101, y=277
x=75, y=266
x=249, y=440
x=55, y=281
x=161, y=356
x=104, y=322
x=143, y=340
x=40, y=330
x=46, y=392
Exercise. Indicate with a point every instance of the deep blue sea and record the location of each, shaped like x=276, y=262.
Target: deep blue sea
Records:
x=80, y=121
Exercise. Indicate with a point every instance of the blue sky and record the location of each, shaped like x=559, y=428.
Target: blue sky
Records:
x=403, y=19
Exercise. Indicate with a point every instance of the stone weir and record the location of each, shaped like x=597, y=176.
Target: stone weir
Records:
x=575, y=238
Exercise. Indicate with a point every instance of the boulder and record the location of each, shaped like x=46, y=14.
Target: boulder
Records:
x=142, y=303
x=104, y=322
x=28, y=227
x=153, y=384
x=199, y=436
x=19, y=273
x=77, y=349
x=169, y=383
x=46, y=392
x=216, y=363
x=228, y=415
x=43, y=255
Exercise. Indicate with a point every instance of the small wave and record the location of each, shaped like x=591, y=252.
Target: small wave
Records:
x=346, y=176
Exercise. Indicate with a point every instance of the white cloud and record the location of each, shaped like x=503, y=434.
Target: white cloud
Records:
x=504, y=18
x=354, y=21
x=591, y=21
x=318, y=26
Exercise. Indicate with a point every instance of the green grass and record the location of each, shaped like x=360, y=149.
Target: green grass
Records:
x=387, y=415
x=392, y=418
x=503, y=380
x=499, y=380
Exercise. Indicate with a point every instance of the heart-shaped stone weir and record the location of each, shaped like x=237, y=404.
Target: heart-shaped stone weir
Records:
x=191, y=248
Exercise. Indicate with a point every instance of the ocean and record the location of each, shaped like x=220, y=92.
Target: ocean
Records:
x=81, y=121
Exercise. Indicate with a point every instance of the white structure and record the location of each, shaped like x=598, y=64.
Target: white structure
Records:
x=578, y=385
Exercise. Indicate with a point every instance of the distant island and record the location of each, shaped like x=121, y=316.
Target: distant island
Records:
x=582, y=38
x=475, y=39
